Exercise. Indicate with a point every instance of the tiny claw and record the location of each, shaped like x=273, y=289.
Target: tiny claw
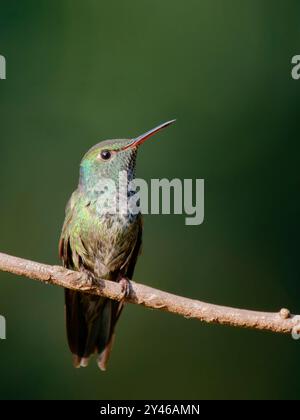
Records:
x=125, y=284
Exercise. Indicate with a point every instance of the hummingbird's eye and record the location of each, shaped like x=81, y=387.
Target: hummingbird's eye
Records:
x=105, y=154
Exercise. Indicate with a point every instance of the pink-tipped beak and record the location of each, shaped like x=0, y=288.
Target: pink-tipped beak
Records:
x=141, y=139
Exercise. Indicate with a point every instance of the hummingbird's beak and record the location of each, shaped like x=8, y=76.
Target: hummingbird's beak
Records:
x=141, y=139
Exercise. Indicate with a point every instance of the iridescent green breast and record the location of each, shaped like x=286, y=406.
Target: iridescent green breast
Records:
x=102, y=244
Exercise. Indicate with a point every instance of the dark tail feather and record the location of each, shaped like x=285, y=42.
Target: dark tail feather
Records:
x=90, y=323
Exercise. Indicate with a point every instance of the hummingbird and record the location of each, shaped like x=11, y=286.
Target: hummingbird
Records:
x=102, y=244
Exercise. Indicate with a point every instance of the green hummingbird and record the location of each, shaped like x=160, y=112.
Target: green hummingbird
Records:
x=104, y=244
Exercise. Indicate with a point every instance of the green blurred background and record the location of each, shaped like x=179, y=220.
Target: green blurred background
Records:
x=82, y=71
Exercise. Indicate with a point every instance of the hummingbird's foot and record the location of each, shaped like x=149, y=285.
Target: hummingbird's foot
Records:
x=125, y=284
x=88, y=280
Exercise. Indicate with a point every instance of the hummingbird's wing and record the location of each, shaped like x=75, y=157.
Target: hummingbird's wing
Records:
x=136, y=251
x=71, y=248
x=75, y=310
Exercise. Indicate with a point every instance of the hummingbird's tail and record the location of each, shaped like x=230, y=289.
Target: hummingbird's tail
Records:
x=90, y=323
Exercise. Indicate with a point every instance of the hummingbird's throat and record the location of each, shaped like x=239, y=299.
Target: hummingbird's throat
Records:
x=116, y=198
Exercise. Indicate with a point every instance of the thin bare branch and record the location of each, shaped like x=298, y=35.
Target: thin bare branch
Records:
x=279, y=322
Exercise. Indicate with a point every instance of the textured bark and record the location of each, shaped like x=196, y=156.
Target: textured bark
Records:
x=279, y=322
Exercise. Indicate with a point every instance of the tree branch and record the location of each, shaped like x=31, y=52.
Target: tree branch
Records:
x=280, y=322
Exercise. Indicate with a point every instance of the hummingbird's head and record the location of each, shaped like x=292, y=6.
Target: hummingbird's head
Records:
x=108, y=158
